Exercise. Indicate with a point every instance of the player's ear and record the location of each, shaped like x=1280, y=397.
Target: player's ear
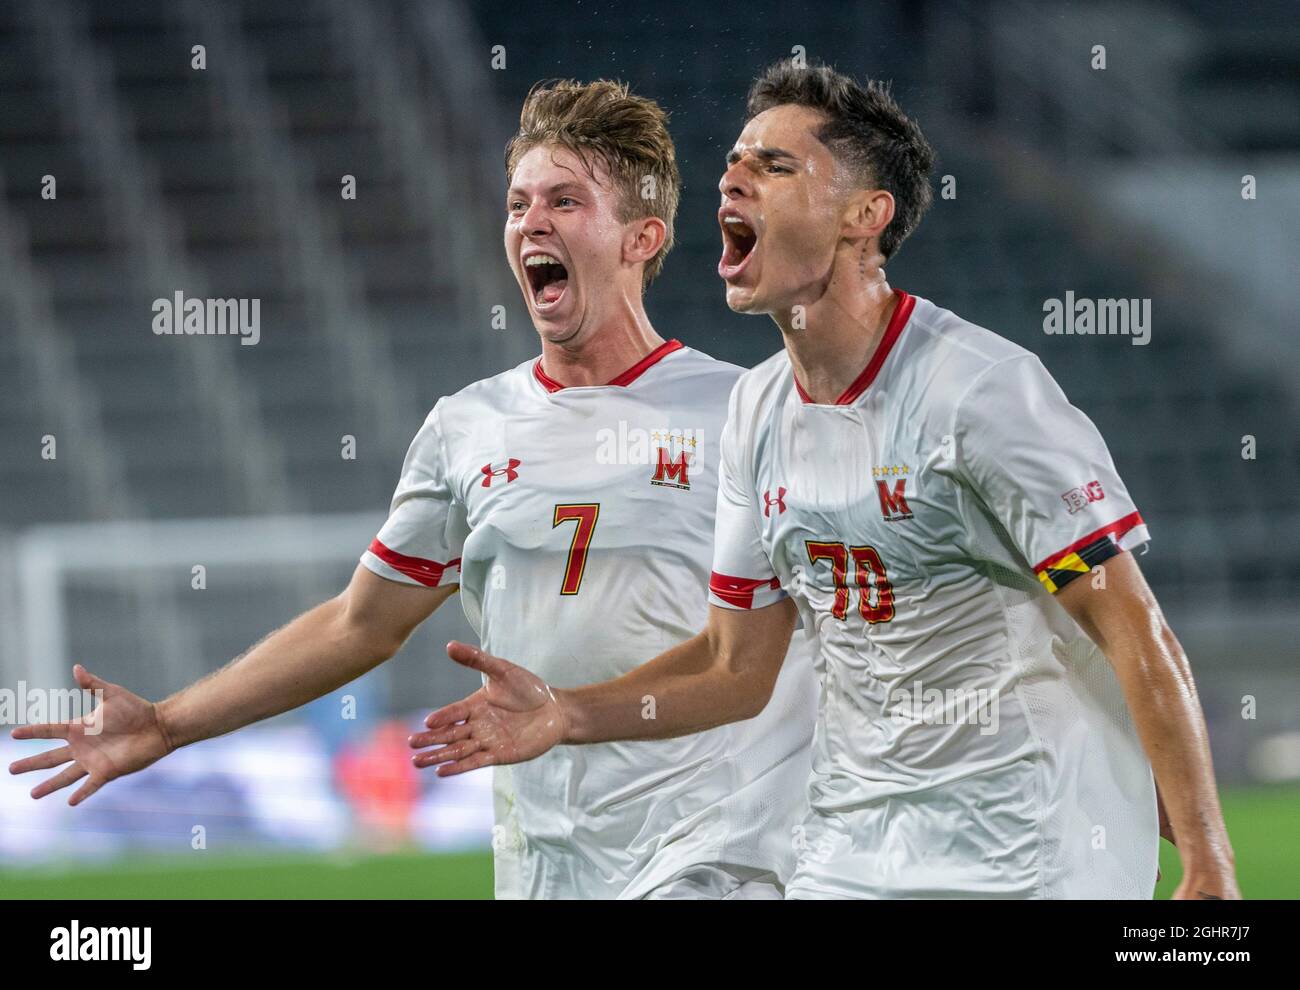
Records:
x=643, y=239
x=867, y=214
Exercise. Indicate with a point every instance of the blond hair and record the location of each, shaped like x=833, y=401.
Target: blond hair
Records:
x=627, y=133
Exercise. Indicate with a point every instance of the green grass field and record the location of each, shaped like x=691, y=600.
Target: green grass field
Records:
x=1264, y=824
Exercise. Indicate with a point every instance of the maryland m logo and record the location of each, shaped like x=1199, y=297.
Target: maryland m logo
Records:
x=671, y=473
x=893, y=506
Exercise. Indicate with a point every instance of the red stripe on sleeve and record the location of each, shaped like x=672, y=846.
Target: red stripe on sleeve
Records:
x=1115, y=531
x=427, y=572
x=739, y=591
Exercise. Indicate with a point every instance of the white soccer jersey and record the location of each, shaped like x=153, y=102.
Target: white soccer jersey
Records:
x=972, y=741
x=578, y=522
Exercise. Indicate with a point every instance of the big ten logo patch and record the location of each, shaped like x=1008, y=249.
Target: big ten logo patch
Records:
x=1081, y=497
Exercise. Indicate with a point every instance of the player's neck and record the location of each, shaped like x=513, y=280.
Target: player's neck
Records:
x=599, y=355
x=832, y=339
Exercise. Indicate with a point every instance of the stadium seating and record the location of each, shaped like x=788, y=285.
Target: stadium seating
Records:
x=225, y=182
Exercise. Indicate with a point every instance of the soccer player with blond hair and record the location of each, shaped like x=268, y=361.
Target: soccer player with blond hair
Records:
x=571, y=501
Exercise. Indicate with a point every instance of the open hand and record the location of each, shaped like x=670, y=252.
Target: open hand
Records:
x=121, y=735
x=513, y=718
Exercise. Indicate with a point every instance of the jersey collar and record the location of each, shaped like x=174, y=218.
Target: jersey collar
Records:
x=860, y=384
x=626, y=378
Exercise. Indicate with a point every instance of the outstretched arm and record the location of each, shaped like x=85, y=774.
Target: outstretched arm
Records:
x=725, y=674
x=321, y=650
x=317, y=652
x=1125, y=621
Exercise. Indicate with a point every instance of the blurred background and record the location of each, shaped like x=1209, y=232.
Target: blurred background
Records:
x=167, y=501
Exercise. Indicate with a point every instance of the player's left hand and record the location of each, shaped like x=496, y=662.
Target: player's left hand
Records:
x=1212, y=881
x=514, y=717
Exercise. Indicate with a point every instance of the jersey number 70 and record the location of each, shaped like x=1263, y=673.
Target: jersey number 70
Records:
x=585, y=516
x=868, y=570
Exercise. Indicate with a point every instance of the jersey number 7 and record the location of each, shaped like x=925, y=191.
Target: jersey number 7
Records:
x=868, y=569
x=585, y=516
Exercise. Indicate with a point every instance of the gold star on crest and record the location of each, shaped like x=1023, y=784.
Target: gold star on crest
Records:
x=889, y=470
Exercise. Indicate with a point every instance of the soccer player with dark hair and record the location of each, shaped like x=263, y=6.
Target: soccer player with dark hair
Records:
x=998, y=682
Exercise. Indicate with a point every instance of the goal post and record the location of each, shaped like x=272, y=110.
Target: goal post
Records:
x=156, y=604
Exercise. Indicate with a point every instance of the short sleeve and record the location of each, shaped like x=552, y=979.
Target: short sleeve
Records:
x=425, y=532
x=1043, y=471
x=742, y=576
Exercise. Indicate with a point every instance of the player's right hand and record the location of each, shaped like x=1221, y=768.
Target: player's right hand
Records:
x=514, y=717
x=121, y=735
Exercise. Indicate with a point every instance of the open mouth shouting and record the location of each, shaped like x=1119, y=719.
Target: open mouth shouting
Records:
x=739, y=239
x=547, y=279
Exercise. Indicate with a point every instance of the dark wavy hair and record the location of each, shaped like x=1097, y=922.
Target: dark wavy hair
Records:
x=865, y=130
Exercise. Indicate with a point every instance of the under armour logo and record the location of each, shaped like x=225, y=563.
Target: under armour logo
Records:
x=769, y=501
x=509, y=471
